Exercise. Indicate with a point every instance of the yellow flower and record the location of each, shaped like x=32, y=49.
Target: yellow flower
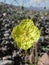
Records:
x=25, y=34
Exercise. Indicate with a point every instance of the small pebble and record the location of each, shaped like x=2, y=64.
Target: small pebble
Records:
x=4, y=14
x=6, y=34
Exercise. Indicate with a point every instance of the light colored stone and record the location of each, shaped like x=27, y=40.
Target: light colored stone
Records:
x=44, y=60
x=6, y=62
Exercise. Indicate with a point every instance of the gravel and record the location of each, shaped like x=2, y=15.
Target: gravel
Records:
x=11, y=54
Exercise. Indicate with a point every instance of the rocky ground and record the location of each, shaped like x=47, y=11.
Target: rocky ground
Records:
x=11, y=16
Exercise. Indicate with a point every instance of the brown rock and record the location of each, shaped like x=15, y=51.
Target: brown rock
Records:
x=44, y=60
